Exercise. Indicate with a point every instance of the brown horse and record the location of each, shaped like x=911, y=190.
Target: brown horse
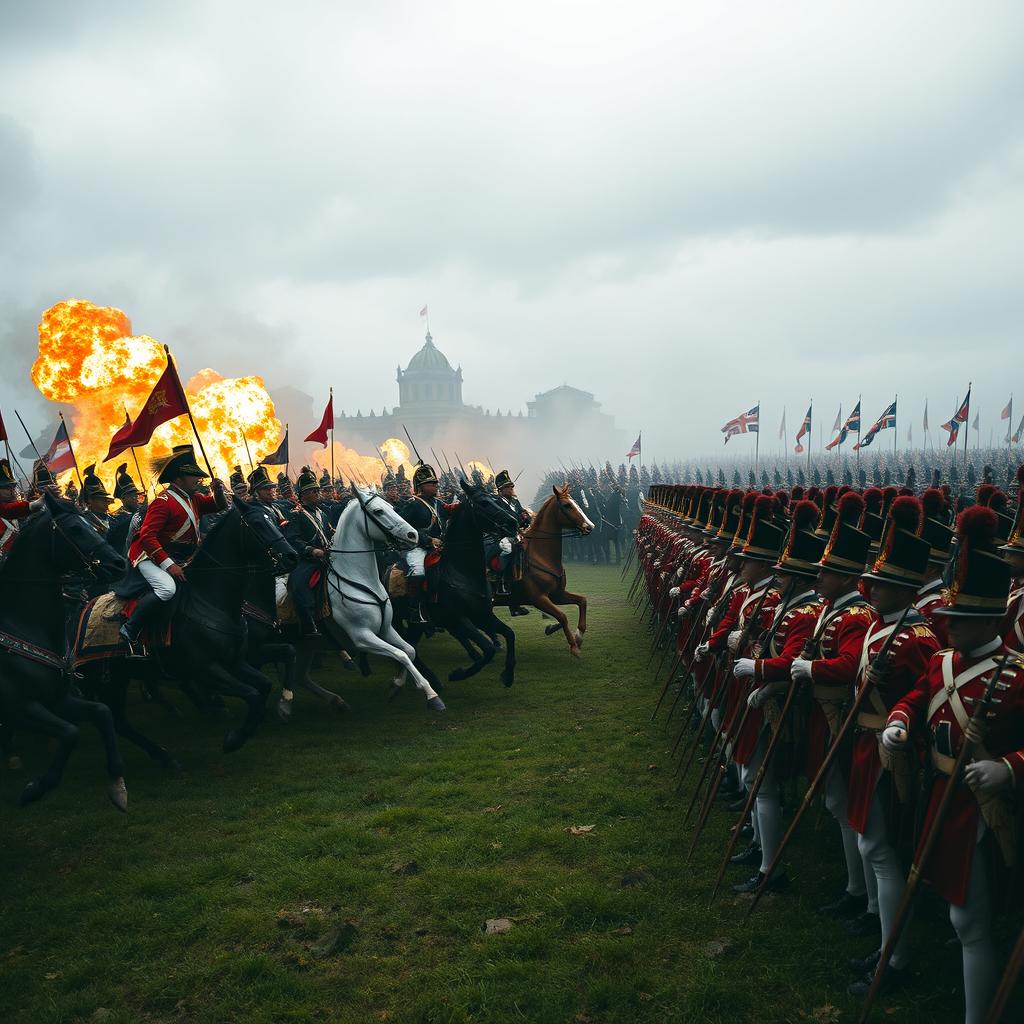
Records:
x=543, y=582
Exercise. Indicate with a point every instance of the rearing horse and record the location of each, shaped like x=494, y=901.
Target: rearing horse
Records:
x=543, y=582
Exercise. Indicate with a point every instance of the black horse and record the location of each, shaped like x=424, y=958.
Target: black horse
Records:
x=37, y=687
x=464, y=603
x=209, y=635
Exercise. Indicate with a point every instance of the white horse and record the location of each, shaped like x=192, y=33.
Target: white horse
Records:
x=359, y=600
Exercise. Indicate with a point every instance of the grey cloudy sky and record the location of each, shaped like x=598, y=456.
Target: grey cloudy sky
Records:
x=682, y=207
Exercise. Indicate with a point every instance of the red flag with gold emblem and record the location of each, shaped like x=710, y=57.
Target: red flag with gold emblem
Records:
x=166, y=401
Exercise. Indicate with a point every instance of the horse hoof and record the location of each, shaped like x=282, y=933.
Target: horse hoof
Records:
x=436, y=704
x=31, y=792
x=579, y=638
x=574, y=651
x=340, y=704
x=394, y=691
x=233, y=741
x=118, y=793
x=284, y=710
x=552, y=629
x=507, y=678
x=364, y=666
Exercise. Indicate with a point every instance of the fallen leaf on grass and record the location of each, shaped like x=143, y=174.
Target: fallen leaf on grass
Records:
x=52, y=975
x=716, y=947
x=644, y=997
x=493, y=810
x=652, y=767
x=624, y=930
x=410, y=867
x=496, y=846
x=580, y=830
x=497, y=925
x=337, y=942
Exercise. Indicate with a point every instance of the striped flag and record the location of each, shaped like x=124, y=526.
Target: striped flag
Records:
x=884, y=422
x=805, y=429
x=952, y=425
x=1019, y=432
x=839, y=420
x=745, y=423
x=423, y=311
x=635, y=450
x=59, y=457
x=852, y=424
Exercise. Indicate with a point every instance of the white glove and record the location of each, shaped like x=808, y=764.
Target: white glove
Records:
x=679, y=573
x=987, y=776
x=734, y=640
x=701, y=652
x=757, y=697
x=36, y=503
x=894, y=737
x=683, y=611
x=673, y=592
x=800, y=671
x=744, y=668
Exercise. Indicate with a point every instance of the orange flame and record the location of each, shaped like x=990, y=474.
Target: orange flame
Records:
x=90, y=360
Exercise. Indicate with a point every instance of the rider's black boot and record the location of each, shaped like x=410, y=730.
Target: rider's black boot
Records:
x=146, y=609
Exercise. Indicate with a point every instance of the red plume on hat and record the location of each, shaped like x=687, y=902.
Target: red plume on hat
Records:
x=797, y=493
x=873, y=500
x=850, y=507
x=977, y=526
x=748, y=500
x=998, y=501
x=830, y=493
x=805, y=515
x=782, y=497
x=933, y=501
x=764, y=508
x=905, y=512
x=983, y=495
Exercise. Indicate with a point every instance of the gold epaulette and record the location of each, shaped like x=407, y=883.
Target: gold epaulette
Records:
x=858, y=609
x=921, y=630
x=807, y=608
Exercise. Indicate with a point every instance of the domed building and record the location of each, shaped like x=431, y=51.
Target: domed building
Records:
x=429, y=380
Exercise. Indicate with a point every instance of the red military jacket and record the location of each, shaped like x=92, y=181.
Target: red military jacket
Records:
x=171, y=518
x=909, y=655
x=10, y=513
x=942, y=702
x=1013, y=627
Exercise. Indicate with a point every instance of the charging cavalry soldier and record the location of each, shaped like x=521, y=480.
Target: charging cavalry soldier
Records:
x=44, y=480
x=131, y=503
x=97, y=501
x=310, y=535
x=167, y=537
x=425, y=514
x=508, y=546
x=237, y=481
x=880, y=779
x=263, y=490
x=1013, y=552
x=12, y=509
x=982, y=813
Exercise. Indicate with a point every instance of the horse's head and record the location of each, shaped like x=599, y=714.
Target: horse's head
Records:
x=77, y=545
x=260, y=524
x=496, y=515
x=568, y=513
x=382, y=522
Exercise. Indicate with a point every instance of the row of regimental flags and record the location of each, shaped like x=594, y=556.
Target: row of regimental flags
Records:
x=749, y=423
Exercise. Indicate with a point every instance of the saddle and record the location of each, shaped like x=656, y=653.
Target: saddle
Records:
x=97, y=636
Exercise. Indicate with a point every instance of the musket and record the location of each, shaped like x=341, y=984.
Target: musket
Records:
x=1008, y=982
x=973, y=735
x=387, y=468
x=705, y=715
x=415, y=450
x=248, y=454
x=469, y=479
x=878, y=663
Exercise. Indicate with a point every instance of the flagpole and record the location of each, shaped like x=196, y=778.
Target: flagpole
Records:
x=286, y=461
x=1009, y=423
x=809, y=444
x=860, y=416
x=757, y=441
x=967, y=426
x=895, y=423
x=11, y=458
x=331, y=403
x=188, y=410
x=28, y=435
x=248, y=454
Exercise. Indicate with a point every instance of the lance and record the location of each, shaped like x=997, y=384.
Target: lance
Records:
x=415, y=450
x=680, y=647
x=248, y=454
x=17, y=464
x=973, y=735
x=28, y=435
x=135, y=457
x=878, y=664
x=191, y=419
x=462, y=467
x=71, y=449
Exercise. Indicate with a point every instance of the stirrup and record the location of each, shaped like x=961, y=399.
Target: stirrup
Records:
x=136, y=650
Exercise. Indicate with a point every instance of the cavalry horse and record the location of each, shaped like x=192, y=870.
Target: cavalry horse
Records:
x=209, y=635
x=464, y=603
x=37, y=685
x=543, y=582
x=360, y=605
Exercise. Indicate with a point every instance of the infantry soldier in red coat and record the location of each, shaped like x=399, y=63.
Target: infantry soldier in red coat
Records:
x=941, y=706
x=169, y=535
x=1013, y=552
x=12, y=510
x=894, y=580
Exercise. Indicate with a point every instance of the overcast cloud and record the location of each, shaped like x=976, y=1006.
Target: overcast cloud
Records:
x=682, y=207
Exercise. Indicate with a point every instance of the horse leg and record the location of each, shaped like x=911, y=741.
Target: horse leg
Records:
x=508, y=673
x=468, y=634
x=38, y=719
x=392, y=646
x=115, y=695
x=545, y=604
x=7, y=748
x=225, y=683
x=567, y=597
x=76, y=710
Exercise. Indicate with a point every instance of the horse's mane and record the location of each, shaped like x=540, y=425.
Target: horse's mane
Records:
x=548, y=501
x=218, y=525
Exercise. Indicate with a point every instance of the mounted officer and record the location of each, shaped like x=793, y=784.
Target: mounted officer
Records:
x=264, y=491
x=310, y=535
x=167, y=537
x=509, y=548
x=97, y=501
x=238, y=485
x=44, y=480
x=12, y=510
x=425, y=514
x=132, y=505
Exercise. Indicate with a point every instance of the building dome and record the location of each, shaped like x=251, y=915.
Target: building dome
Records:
x=429, y=360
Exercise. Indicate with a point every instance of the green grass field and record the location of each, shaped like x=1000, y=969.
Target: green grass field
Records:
x=342, y=868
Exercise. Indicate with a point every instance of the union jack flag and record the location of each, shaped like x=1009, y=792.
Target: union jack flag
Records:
x=805, y=429
x=884, y=422
x=635, y=450
x=745, y=423
x=852, y=424
x=952, y=425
